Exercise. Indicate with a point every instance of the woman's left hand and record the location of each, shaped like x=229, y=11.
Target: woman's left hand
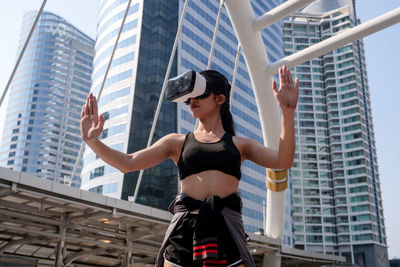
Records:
x=288, y=94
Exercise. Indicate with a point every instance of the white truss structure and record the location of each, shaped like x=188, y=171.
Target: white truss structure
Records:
x=247, y=29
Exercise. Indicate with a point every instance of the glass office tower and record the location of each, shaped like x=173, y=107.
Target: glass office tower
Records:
x=41, y=133
x=131, y=93
x=337, y=201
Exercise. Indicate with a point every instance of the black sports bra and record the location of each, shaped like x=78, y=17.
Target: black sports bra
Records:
x=197, y=156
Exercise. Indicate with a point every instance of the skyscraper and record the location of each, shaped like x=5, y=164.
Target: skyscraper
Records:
x=41, y=133
x=337, y=201
x=130, y=97
x=131, y=94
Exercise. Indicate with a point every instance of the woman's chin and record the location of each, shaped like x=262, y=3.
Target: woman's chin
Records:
x=194, y=113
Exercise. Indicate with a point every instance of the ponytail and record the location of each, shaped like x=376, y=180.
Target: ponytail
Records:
x=218, y=83
x=227, y=119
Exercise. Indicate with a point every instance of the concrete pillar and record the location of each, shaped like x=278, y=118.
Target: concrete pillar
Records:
x=128, y=254
x=270, y=259
x=61, y=243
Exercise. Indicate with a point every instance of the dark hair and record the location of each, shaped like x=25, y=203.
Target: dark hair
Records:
x=218, y=83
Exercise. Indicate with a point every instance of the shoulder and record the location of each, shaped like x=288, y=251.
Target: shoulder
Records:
x=175, y=143
x=174, y=138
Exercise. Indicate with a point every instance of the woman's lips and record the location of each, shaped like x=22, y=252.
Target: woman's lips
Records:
x=193, y=106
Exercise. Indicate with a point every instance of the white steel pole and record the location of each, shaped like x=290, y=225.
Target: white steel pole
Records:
x=234, y=75
x=280, y=12
x=253, y=48
x=386, y=20
x=215, y=34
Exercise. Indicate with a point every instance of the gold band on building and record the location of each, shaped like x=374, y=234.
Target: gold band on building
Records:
x=277, y=180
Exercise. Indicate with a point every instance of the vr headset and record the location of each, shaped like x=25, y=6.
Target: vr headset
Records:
x=189, y=84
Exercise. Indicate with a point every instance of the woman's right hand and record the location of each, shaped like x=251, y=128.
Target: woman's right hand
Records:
x=91, y=123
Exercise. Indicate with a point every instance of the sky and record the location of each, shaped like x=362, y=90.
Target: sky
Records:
x=382, y=53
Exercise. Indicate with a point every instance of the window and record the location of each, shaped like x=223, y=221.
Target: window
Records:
x=99, y=171
x=358, y=218
x=97, y=189
x=361, y=227
x=362, y=237
x=360, y=208
x=359, y=198
x=357, y=180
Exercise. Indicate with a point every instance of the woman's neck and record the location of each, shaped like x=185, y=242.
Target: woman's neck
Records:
x=210, y=125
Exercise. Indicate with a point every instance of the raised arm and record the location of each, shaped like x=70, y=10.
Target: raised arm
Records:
x=287, y=97
x=92, y=126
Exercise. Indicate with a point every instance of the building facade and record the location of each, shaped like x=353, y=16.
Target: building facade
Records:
x=336, y=195
x=134, y=83
x=41, y=134
x=130, y=96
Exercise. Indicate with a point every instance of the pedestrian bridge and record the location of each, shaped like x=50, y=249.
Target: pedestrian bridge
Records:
x=53, y=224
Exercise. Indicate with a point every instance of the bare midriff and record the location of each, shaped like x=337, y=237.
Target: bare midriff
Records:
x=209, y=183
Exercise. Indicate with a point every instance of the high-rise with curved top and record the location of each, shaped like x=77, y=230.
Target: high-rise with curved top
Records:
x=41, y=134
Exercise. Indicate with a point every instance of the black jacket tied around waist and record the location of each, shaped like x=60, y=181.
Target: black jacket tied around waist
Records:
x=205, y=241
x=229, y=208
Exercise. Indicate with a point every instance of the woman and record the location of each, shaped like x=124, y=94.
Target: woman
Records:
x=206, y=228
